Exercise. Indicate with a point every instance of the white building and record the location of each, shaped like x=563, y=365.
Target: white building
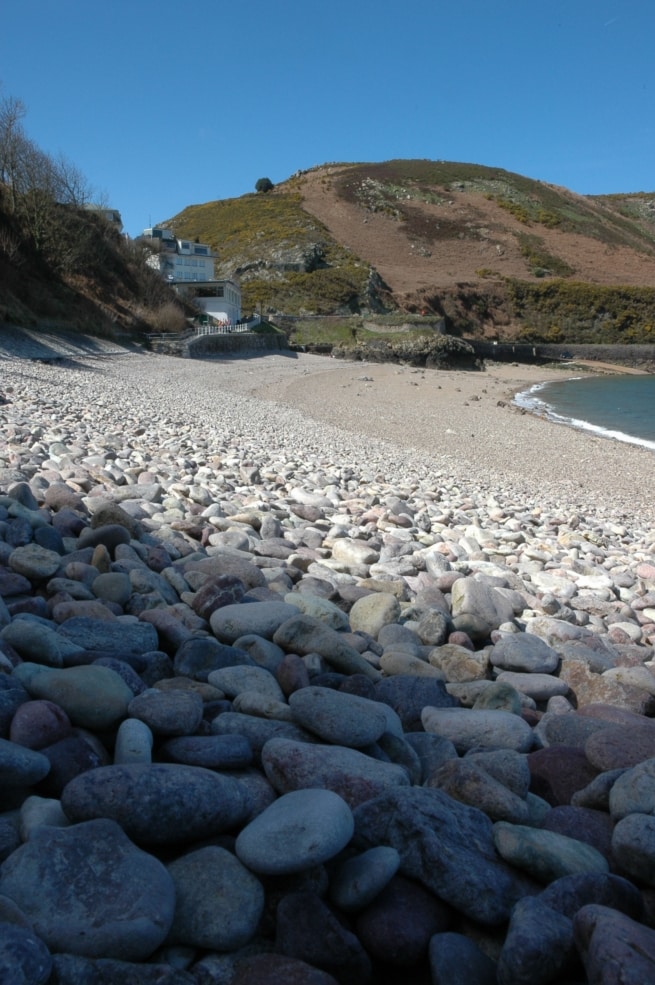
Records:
x=189, y=268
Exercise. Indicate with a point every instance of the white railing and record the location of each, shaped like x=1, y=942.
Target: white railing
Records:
x=227, y=328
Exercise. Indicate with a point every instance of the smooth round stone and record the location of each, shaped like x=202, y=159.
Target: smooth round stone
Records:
x=134, y=741
x=569, y=894
x=299, y=830
x=335, y=716
x=618, y=747
x=467, y=782
x=614, y=948
x=200, y=655
x=24, y=958
x=570, y=729
x=264, y=653
x=303, y=635
x=254, y=703
x=545, y=855
x=93, y=697
x=356, y=777
x=34, y=562
x=258, y=731
x=217, y=752
x=538, y=947
x=113, y=586
x=468, y=729
x=370, y=613
x=540, y=687
x=524, y=653
x=167, y=712
x=633, y=792
x=508, y=767
x=88, y=890
x=398, y=663
x=158, y=804
x=633, y=846
x=68, y=758
x=261, y=618
x=34, y=641
x=498, y=696
x=110, y=535
x=558, y=772
x=217, y=592
x=596, y=794
x=39, y=723
x=115, y=636
x=321, y=609
x=218, y=901
x=408, y=696
x=234, y=680
x=35, y=812
x=458, y=663
x=358, y=880
x=21, y=767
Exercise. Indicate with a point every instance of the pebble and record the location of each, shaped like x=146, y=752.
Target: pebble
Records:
x=300, y=829
x=298, y=670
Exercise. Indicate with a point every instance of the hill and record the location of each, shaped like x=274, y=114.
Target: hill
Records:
x=494, y=252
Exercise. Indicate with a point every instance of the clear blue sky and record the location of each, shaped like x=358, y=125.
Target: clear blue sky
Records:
x=164, y=104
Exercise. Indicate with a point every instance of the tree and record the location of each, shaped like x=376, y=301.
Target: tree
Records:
x=264, y=185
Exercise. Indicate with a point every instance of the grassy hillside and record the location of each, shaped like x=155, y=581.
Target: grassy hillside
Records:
x=284, y=258
x=495, y=253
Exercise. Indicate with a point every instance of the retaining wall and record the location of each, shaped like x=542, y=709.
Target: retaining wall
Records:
x=214, y=345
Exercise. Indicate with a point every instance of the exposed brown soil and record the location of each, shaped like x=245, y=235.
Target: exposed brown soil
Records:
x=412, y=265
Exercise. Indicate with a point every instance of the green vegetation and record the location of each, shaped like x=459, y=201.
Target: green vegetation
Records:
x=540, y=259
x=285, y=259
x=264, y=185
x=570, y=311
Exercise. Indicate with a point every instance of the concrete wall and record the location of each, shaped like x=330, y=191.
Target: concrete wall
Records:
x=214, y=345
x=629, y=355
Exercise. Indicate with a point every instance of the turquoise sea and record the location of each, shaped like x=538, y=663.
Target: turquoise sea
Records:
x=619, y=407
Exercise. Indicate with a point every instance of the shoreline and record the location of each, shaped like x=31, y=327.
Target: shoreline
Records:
x=468, y=421
x=453, y=427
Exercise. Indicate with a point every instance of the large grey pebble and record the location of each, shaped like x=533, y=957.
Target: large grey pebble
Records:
x=358, y=880
x=353, y=775
x=115, y=636
x=21, y=767
x=481, y=729
x=88, y=890
x=158, y=804
x=235, y=680
x=545, y=855
x=218, y=901
x=261, y=618
x=524, y=653
x=299, y=830
x=173, y=712
x=338, y=717
x=447, y=846
x=24, y=958
x=539, y=946
x=303, y=635
x=92, y=696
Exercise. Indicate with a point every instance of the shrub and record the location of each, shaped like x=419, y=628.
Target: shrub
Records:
x=169, y=317
x=264, y=185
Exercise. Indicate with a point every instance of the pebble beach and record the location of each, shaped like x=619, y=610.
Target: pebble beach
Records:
x=314, y=672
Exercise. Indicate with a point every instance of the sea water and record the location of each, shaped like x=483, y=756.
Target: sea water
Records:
x=619, y=407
